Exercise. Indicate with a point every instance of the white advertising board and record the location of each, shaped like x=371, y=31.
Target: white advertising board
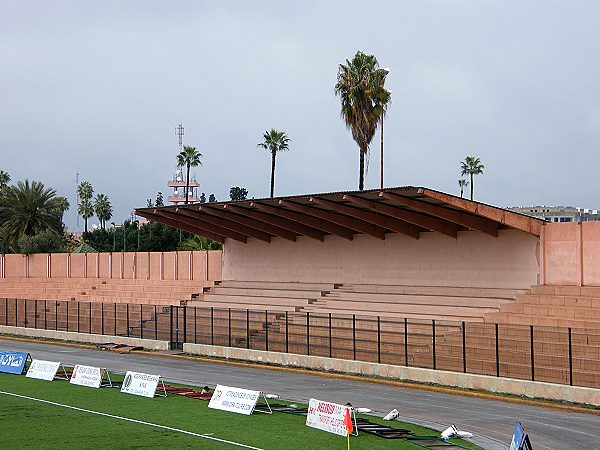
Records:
x=137, y=383
x=87, y=376
x=42, y=370
x=241, y=401
x=326, y=416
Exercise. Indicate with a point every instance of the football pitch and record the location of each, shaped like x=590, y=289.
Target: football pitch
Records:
x=56, y=414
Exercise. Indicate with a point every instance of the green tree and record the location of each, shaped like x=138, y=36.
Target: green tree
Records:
x=188, y=157
x=199, y=243
x=159, y=200
x=463, y=184
x=85, y=208
x=364, y=101
x=46, y=241
x=203, y=198
x=103, y=209
x=4, y=179
x=274, y=141
x=212, y=198
x=237, y=193
x=471, y=166
x=29, y=208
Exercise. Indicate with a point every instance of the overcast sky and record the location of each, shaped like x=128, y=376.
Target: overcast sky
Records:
x=100, y=86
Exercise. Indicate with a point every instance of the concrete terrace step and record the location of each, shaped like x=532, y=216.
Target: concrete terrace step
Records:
x=256, y=300
x=429, y=300
x=438, y=291
x=577, y=291
x=255, y=292
x=538, y=320
x=290, y=285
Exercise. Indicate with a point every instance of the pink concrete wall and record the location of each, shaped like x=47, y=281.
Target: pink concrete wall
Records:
x=571, y=254
x=142, y=265
x=473, y=259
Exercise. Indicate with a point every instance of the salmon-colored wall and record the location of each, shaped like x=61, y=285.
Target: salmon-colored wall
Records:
x=78, y=265
x=571, y=253
x=14, y=266
x=473, y=259
x=199, y=267
x=38, y=265
x=58, y=265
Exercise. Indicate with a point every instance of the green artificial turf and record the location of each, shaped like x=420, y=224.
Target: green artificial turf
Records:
x=29, y=424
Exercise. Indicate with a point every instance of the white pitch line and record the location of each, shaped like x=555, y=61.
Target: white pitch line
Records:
x=204, y=436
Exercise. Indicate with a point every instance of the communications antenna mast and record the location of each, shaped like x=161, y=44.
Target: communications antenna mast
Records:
x=179, y=133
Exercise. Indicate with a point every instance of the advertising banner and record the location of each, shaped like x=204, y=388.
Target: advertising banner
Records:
x=87, y=376
x=327, y=416
x=43, y=370
x=140, y=384
x=236, y=400
x=13, y=362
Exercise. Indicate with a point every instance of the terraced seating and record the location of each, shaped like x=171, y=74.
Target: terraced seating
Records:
x=554, y=306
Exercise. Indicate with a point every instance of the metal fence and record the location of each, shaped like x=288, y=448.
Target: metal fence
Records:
x=551, y=354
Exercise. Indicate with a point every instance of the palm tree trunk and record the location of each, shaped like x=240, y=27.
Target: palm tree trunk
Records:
x=461, y=191
x=86, y=224
x=187, y=183
x=471, y=186
x=361, y=175
x=273, y=153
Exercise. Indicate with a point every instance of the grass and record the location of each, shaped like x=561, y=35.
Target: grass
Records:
x=37, y=425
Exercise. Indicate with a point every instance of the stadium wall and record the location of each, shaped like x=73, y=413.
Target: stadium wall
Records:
x=199, y=265
x=473, y=259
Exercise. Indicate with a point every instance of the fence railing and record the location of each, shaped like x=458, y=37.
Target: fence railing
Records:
x=550, y=354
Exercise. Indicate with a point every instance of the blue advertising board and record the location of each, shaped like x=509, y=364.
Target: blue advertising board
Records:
x=520, y=440
x=13, y=362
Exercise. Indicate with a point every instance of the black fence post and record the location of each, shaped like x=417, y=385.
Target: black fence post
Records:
x=170, y=325
x=56, y=315
x=570, y=360
x=330, y=338
x=247, y=328
x=532, y=352
x=378, y=340
x=229, y=325
x=16, y=313
x=177, y=327
x=90, y=311
x=115, y=317
x=45, y=316
x=184, y=323
x=155, y=323
x=195, y=324
x=464, y=346
x=67, y=321
x=141, y=321
x=35, y=314
x=127, y=320
x=354, y=336
x=307, y=333
x=287, y=341
x=212, y=326
x=433, y=338
x=497, y=352
x=266, y=330
x=6, y=311
x=102, y=317
x=25, y=313
x=405, y=342
x=78, y=317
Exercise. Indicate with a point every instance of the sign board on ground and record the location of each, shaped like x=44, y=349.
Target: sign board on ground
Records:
x=42, y=370
x=327, y=416
x=520, y=440
x=140, y=384
x=13, y=362
x=236, y=400
x=87, y=376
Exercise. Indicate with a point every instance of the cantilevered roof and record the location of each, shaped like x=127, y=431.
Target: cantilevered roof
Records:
x=406, y=210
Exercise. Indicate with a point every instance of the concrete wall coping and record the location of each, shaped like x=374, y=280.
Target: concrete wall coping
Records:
x=513, y=386
x=149, y=344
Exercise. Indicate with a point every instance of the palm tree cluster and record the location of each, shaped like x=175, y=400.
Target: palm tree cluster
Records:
x=470, y=166
x=100, y=205
x=188, y=157
x=28, y=209
x=4, y=179
x=360, y=86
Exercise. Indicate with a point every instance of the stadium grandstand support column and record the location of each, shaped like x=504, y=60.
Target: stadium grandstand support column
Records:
x=395, y=236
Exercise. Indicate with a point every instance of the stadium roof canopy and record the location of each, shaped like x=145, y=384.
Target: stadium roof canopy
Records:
x=406, y=210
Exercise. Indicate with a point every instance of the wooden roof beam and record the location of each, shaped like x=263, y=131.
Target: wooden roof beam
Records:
x=338, y=219
x=395, y=225
x=182, y=226
x=225, y=224
x=466, y=220
x=521, y=222
x=310, y=221
x=229, y=214
x=201, y=224
x=277, y=221
x=418, y=219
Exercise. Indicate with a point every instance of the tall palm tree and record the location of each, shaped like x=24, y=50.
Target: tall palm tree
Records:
x=29, y=208
x=4, y=179
x=471, y=166
x=360, y=86
x=189, y=157
x=85, y=210
x=463, y=184
x=274, y=141
x=103, y=209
